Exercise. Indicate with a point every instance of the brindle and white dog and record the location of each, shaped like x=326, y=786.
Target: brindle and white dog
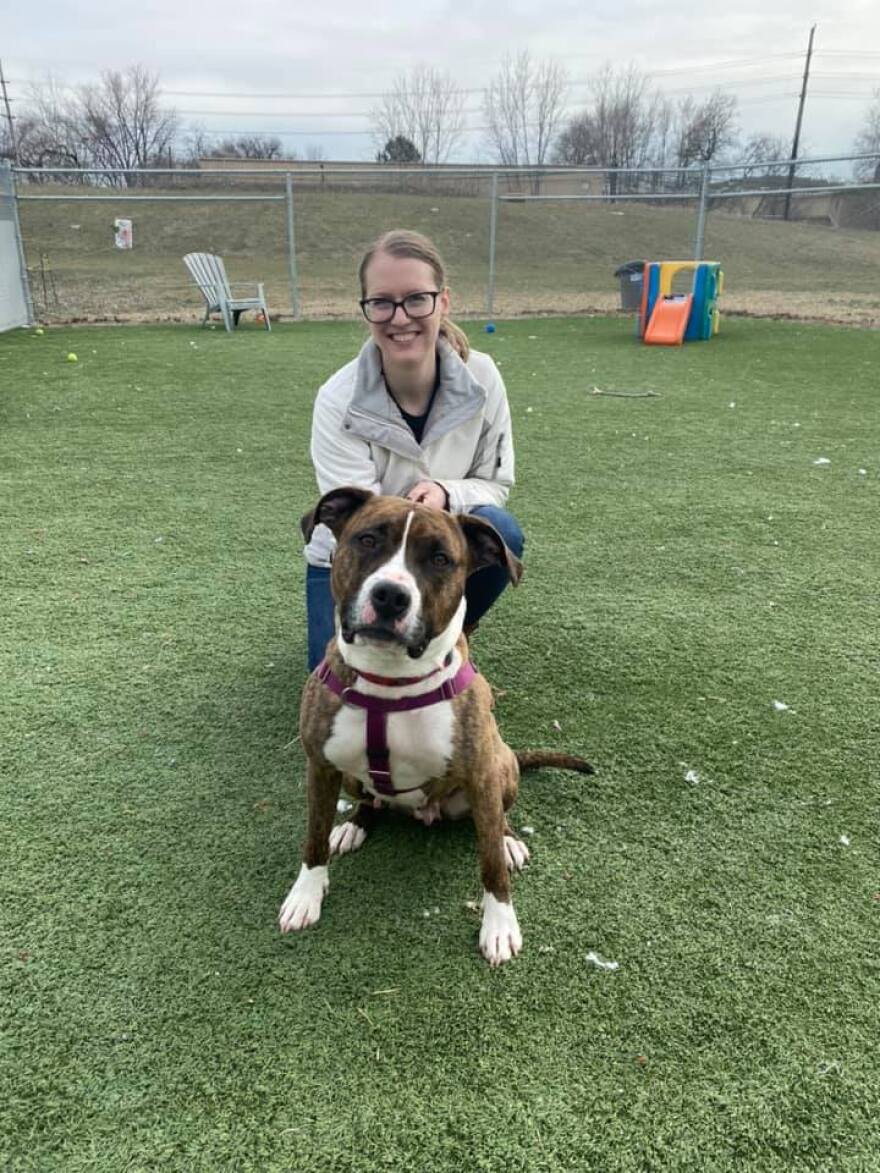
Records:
x=398, y=581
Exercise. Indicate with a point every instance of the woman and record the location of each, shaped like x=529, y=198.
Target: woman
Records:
x=416, y=414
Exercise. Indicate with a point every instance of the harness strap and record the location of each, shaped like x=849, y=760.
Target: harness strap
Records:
x=377, y=710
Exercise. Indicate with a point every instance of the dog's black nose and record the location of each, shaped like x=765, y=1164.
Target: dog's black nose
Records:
x=390, y=600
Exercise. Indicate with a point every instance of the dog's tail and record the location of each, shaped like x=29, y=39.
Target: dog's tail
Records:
x=536, y=759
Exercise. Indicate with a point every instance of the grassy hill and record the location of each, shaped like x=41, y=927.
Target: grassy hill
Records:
x=551, y=257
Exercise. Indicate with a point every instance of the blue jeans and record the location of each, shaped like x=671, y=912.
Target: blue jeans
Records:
x=482, y=589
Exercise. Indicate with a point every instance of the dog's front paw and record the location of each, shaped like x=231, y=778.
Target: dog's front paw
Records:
x=516, y=854
x=346, y=837
x=303, y=904
x=500, y=937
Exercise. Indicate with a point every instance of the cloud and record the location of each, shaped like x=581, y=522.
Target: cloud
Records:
x=357, y=49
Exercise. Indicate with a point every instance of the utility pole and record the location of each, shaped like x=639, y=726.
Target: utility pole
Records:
x=12, y=141
x=797, y=128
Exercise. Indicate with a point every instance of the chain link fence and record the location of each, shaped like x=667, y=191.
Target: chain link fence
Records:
x=516, y=241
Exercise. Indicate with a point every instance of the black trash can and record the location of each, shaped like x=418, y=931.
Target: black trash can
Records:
x=630, y=276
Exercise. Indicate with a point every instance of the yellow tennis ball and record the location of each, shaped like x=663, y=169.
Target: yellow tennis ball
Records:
x=72, y=357
x=39, y=330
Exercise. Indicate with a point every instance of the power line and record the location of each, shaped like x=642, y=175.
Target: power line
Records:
x=319, y=132
x=471, y=110
x=841, y=94
x=847, y=53
x=874, y=77
x=685, y=70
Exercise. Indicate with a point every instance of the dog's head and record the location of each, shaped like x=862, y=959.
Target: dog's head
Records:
x=399, y=570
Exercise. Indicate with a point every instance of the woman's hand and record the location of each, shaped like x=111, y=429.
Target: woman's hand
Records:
x=429, y=493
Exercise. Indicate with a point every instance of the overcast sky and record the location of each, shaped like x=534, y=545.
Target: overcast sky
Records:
x=218, y=62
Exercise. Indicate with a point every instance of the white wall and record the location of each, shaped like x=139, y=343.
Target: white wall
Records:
x=13, y=280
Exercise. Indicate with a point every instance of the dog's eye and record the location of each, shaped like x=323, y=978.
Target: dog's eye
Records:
x=441, y=559
x=368, y=541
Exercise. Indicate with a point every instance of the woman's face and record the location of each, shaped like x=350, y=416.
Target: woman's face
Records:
x=404, y=341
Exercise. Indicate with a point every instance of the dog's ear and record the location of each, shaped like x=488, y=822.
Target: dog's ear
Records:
x=487, y=547
x=334, y=509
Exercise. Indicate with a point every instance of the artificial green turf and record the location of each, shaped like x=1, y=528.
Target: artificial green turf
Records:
x=687, y=565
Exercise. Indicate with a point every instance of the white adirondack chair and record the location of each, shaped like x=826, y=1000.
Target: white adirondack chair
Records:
x=209, y=274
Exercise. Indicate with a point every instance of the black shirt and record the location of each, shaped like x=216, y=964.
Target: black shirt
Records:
x=417, y=422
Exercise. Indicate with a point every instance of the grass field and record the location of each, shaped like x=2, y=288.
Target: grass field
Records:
x=550, y=257
x=689, y=563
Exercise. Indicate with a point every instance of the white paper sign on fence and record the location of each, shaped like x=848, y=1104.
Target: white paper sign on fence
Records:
x=124, y=238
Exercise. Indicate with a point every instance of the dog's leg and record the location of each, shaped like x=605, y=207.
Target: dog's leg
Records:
x=302, y=906
x=500, y=936
x=350, y=835
x=516, y=853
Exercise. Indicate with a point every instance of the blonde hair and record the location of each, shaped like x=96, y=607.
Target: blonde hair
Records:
x=402, y=243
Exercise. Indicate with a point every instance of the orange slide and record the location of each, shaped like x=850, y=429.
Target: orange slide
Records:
x=669, y=320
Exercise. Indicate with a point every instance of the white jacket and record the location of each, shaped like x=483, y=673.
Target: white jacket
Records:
x=360, y=438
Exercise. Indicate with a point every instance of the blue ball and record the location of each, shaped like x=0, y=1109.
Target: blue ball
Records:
x=490, y=327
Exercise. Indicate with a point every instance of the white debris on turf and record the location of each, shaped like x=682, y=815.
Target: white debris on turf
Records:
x=342, y=806
x=600, y=963
x=845, y=840
x=781, y=707
x=527, y=830
x=863, y=472
x=692, y=776
x=822, y=460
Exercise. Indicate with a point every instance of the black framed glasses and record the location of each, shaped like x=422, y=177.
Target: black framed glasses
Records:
x=414, y=305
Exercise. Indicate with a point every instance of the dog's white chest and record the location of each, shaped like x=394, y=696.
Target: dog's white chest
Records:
x=419, y=745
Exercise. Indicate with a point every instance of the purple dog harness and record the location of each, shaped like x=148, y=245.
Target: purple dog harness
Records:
x=377, y=710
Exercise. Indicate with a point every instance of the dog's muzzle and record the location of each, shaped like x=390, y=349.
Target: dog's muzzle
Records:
x=382, y=618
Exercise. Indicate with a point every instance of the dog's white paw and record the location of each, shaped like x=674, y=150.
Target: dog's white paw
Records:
x=515, y=853
x=346, y=837
x=500, y=936
x=303, y=904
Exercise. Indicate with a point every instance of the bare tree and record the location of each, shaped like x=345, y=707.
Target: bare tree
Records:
x=248, y=146
x=761, y=150
x=524, y=105
x=578, y=142
x=49, y=133
x=618, y=127
x=123, y=123
x=663, y=117
x=196, y=144
x=424, y=106
x=868, y=142
x=706, y=129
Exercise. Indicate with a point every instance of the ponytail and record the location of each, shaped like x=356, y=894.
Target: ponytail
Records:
x=456, y=338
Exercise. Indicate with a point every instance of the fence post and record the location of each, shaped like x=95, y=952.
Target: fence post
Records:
x=291, y=250
x=701, y=214
x=493, y=222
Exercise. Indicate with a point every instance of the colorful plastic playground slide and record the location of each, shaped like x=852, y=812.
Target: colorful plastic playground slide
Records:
x=668, y=319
